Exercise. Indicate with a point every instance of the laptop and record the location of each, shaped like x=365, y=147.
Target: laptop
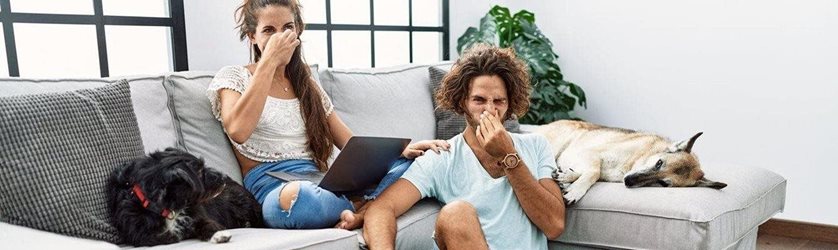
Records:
x=361, y=164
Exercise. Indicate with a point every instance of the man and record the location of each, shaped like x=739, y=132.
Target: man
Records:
x=496, y=186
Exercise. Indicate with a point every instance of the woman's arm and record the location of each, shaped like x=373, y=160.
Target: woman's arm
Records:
x=340, y=132
x=241, y=111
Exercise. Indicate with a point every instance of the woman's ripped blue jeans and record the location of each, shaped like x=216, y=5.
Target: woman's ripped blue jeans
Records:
x=313, y=206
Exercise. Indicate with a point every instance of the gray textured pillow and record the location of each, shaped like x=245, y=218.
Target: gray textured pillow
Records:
x=448, y=123
x=57, y=151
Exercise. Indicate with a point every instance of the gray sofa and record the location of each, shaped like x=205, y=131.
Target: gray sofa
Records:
x=173, y=111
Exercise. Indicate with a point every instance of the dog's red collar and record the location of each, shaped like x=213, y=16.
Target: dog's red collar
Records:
x=136, y=190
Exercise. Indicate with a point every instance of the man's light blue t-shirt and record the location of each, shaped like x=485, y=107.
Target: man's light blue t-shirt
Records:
x=457, y=175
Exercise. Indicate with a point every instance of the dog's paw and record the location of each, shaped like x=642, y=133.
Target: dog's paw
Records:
x=565, y=176
x=572, y=195
x=221, y=237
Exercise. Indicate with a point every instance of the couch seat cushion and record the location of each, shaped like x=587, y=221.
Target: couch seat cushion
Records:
x=263, y=238
x=414, y=232
x=613, y=216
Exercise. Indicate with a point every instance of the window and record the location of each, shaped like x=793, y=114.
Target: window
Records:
x=375, y=33
x=92, y=38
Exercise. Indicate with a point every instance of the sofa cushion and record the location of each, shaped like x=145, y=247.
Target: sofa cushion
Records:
x=392, y=101
x=694, y=218
x=148, y=98
x=18, y=237
x=448, y=123
x=197, y=130
x=58, y=151
x=263, y=238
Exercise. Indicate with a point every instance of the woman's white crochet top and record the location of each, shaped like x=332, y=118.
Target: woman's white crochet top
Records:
x=280, y=133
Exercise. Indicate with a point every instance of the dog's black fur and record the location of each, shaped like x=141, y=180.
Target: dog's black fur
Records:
x=180, y=182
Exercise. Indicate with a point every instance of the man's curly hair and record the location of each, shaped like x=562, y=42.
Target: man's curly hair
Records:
x=486, y=60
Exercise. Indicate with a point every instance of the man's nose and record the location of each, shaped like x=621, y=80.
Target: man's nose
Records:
x=490, y=107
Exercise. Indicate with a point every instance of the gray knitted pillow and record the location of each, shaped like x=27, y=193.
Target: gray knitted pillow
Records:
x=57, y=152
x=448, y=123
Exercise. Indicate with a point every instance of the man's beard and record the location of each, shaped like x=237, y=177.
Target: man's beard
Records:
x=471, y=121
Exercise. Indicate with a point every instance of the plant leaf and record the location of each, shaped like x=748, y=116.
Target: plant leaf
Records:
x=486, y=33
x=579, y=93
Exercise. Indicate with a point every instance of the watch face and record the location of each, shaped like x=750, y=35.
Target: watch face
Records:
x=510, y=161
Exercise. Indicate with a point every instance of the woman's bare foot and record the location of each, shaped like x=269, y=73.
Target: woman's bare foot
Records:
x=350, y=221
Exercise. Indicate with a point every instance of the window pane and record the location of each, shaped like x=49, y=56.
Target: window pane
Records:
x=4, y=62
x=314, y=47
x=351, y=49
x=427, y=13
x=53, y=6
x=314, y=11
x=391, y=12
x=350, y=12
x=135, y=50
x=74, y=54
x=148, y=8
x=392, y=48
x=427, y=47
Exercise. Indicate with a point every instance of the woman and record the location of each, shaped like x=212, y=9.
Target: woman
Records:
x=278, y=119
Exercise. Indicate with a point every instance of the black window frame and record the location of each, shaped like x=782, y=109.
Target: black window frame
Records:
x=372, y=27
x=175, y=21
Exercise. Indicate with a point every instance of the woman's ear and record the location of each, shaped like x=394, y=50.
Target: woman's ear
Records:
x=251, y=38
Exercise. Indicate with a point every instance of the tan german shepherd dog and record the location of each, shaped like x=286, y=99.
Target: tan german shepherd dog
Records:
x=587, y=153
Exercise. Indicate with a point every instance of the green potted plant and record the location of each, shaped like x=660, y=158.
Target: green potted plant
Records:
x=552, y=97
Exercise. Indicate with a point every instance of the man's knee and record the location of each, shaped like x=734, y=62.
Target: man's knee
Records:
x=288, y=195
x=458, y=214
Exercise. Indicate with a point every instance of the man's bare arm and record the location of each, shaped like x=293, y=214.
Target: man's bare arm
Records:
x=380, y=217
x=541, y=200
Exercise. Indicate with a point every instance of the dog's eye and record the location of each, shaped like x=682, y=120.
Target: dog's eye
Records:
x=659, y=164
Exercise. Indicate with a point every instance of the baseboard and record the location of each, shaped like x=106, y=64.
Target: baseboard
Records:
x=800, y=230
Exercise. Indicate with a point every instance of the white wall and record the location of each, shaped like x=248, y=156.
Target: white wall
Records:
x=758, y=77
x=211, y=38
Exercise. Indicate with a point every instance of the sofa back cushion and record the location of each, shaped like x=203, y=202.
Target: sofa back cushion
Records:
x=148, y=98
x=58, y=150
x=392, y=102
x=198, y=132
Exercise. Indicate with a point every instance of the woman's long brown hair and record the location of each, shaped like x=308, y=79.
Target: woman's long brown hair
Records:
x=319, y=136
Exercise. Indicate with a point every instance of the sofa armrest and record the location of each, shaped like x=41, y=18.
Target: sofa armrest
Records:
x=19, y=237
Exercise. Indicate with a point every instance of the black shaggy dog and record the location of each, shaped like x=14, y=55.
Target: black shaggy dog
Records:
x=169, y=196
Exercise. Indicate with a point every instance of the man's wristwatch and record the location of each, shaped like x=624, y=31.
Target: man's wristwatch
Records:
x=511, y=160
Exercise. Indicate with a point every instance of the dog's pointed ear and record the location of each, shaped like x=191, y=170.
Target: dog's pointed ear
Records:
x=685, y=145
x=711, y=184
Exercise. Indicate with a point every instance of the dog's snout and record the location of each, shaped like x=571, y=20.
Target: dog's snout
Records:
x=630, y=180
